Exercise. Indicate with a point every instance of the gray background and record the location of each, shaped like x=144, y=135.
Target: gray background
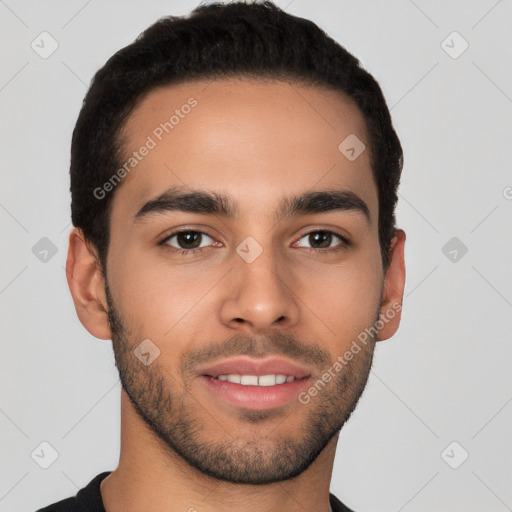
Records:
x=445, y=377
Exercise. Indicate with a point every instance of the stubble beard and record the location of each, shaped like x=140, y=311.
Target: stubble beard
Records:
x=174, y=417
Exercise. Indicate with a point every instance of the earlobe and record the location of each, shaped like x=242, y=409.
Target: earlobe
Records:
x=393, y=289
x=87, y=286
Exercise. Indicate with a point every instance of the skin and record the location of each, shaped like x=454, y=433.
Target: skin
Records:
x=258, y=142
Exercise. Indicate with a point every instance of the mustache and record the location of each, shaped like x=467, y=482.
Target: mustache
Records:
x=274, y=344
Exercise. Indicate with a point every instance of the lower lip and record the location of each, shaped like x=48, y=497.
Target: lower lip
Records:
x=257, y=398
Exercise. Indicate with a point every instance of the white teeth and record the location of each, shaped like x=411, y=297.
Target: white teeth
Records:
x=253, y=380
x=249, y=380
x=267, y=380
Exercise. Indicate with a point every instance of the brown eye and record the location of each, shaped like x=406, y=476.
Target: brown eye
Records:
x=322, y=239
x=188, y=240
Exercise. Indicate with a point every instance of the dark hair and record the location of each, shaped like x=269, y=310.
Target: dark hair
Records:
x=217, y=41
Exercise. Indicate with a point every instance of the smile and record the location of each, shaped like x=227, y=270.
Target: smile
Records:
x=254, y=380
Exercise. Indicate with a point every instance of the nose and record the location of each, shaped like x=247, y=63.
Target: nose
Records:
x=259, y=297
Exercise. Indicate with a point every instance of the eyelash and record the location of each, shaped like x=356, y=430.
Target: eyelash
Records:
x=190, y=252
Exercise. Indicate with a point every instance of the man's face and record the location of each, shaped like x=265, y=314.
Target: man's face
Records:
x=294, y=289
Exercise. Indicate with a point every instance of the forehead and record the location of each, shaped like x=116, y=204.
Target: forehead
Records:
x=255, y=140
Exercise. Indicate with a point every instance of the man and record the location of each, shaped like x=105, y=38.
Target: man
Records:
x=234, y=177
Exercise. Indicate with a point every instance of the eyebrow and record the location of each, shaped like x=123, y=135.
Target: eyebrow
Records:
x=213, y=203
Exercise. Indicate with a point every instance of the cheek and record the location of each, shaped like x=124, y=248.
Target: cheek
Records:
x=154, y=298
x=345, y=296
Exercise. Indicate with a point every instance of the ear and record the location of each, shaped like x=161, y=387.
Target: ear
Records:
x=87, y=286
x=393, y=289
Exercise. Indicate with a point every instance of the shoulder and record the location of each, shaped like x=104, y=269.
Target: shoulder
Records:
x=337, y=505
x=87, y=499
x=67, y=505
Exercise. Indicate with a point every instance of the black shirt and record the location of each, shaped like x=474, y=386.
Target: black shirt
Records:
x=88, y=499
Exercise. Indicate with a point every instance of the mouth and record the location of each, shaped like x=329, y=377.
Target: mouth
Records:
x=255, y=396
x=256, y=384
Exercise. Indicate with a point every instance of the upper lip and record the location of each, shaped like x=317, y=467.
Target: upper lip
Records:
x=257, y=367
